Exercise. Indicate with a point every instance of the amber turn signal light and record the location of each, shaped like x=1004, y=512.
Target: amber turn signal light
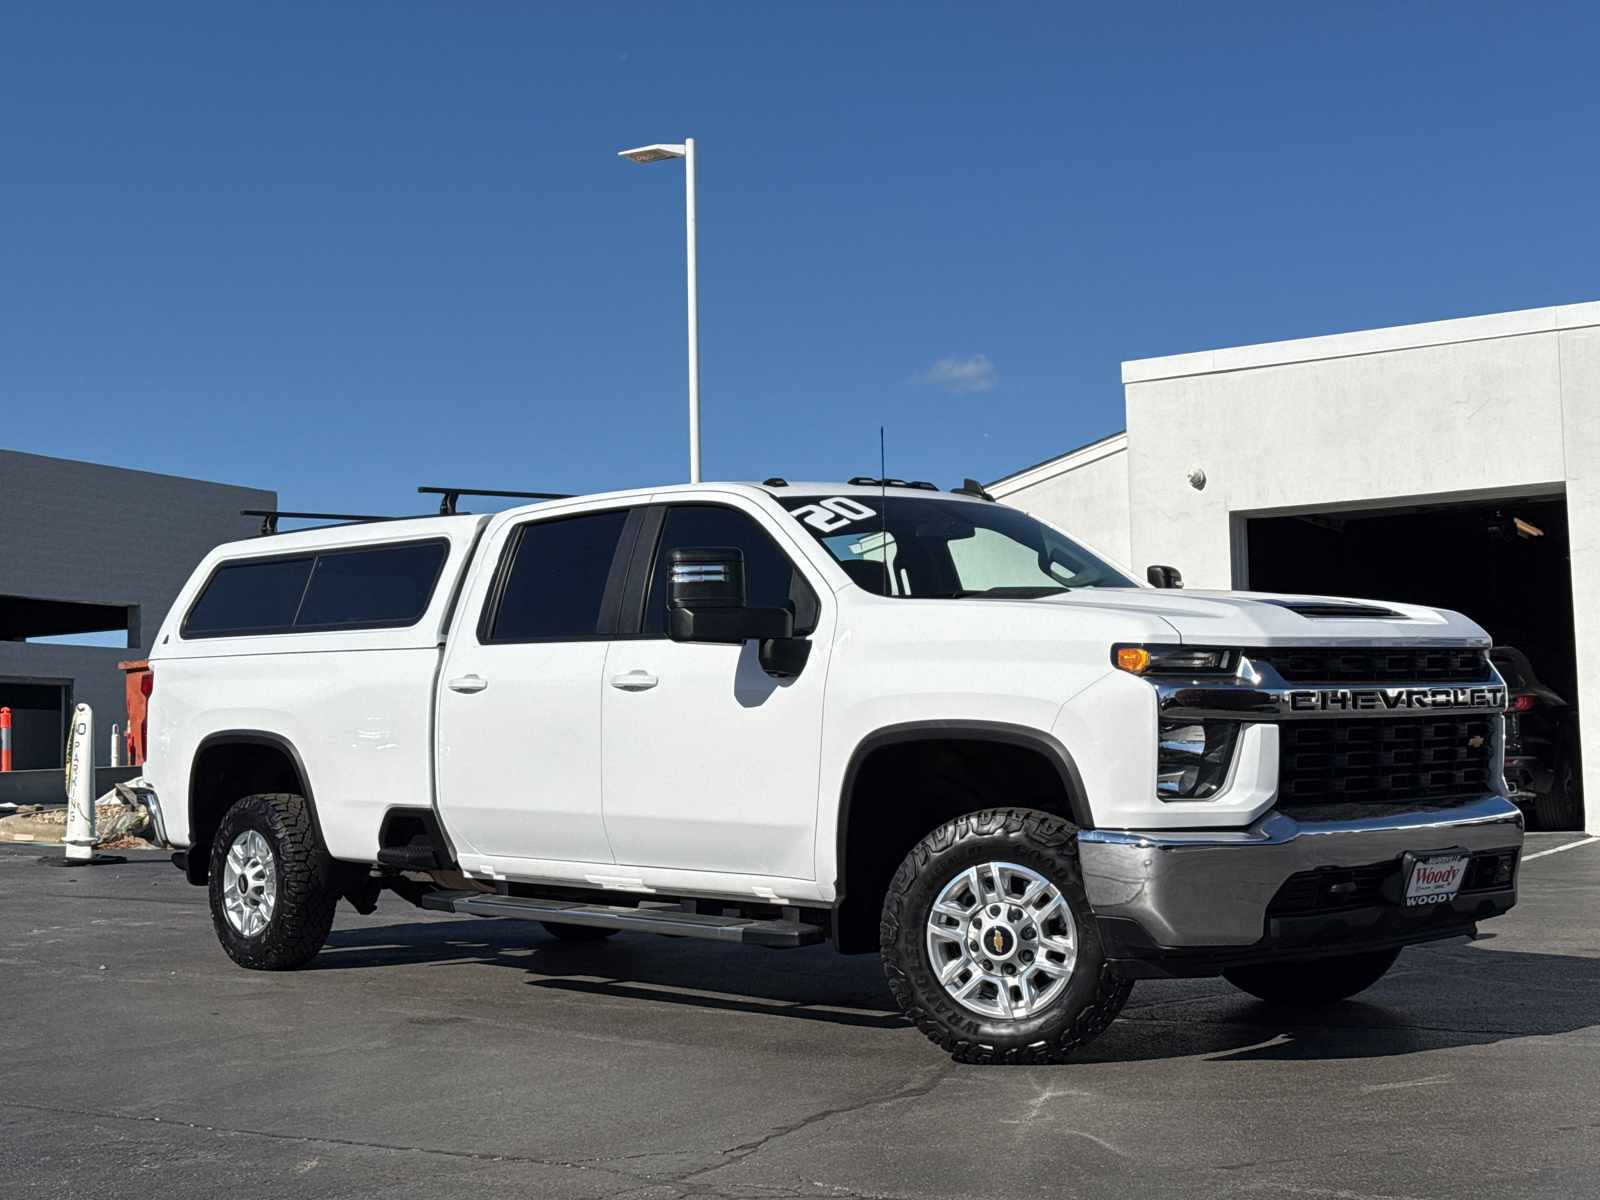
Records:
x=1133, y=658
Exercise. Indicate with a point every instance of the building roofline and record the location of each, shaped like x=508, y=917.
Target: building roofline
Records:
x=1367, y=341
x=1089, y=452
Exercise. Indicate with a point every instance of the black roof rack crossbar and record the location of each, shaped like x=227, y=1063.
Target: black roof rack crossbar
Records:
x=447, y=506
x=269, y=518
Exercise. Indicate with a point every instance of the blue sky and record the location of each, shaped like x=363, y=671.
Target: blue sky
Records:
x=340, y=250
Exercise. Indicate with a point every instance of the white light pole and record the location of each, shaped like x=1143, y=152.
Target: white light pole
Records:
x=649, y=154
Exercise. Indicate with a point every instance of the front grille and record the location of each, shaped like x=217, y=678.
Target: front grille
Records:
x=1377, y=664
x=1382, y=759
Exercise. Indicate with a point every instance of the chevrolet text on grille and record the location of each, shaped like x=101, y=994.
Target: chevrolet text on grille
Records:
x=1303, y=700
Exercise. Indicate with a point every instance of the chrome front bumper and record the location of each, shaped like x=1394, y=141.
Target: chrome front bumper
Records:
x=1211, y=888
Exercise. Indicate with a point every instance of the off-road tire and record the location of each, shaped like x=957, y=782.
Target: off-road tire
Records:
x=1048, y=845
x=1320, y=981
x=577, y=933
x=1562, y=807
x=306, y=896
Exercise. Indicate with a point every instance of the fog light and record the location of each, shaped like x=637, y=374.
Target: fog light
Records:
x=1192, y=758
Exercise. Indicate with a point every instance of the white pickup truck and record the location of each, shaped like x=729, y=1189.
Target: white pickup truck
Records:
x=896, y=718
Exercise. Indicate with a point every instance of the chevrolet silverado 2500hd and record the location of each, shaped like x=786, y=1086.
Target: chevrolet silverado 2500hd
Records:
x=899, y=719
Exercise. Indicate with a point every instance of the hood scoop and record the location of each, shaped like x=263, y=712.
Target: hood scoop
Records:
x=1334, y=610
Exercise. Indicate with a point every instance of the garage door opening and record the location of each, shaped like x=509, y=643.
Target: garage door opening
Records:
x=39, y=715
x=1505, y=565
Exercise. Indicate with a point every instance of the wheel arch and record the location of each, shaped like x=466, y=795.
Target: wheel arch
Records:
x=228, y=765
x=857, y=888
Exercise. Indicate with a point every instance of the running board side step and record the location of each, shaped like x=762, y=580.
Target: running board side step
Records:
x=673, y=922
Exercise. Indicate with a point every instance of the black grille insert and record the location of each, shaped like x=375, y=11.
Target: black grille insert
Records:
x=1382, y=759
x=1375, y=664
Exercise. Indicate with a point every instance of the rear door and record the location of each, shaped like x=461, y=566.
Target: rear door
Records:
x=519, y=699
x=711, y=764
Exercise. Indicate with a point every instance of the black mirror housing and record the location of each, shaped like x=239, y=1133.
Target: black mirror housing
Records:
x=784, y=657
x=1164, y=577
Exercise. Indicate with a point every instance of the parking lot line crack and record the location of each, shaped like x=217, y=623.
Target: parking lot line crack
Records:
x=312, y=1139
x=910, y=1091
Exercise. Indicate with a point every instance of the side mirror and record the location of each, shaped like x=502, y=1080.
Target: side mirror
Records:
x=1164, y=577
x=705, y=599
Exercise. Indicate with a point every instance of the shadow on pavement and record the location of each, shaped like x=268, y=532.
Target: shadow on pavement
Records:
x=1434, y=998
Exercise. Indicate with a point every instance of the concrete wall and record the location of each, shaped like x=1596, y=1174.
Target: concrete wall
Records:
x=1084, y=492
x=104, y=535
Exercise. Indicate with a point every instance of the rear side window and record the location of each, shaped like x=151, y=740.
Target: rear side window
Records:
x=377, y=588
x=557, y=581
x=250, y=597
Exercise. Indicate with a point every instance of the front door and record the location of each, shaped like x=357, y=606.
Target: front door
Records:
x=711, y=764
x=520, y=694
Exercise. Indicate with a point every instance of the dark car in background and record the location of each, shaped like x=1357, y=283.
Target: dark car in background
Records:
x=1542, y=753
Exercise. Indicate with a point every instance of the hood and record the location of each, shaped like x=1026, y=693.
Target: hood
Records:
x=1265, y=619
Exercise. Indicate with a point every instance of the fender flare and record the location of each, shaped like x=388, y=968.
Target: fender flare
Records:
x=197, y=862
x=1026, y=736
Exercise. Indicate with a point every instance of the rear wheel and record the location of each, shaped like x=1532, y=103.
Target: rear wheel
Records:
x=1320, y=981
x=577, y=933
x=1562, y=807
x=271, y=900
x=989, y=944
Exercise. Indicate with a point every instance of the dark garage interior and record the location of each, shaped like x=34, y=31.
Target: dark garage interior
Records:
x=38, y=722
x=1505, y=565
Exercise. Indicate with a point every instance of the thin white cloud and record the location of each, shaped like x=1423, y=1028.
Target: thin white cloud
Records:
x=958, y=375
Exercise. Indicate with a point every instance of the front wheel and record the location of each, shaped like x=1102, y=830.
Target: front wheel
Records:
x=271, y=900
x=989, y=943
x=1320, y=981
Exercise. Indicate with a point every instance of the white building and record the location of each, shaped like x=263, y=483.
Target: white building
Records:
x=1454, y=463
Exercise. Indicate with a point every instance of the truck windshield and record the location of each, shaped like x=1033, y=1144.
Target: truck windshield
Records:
x=950, y=548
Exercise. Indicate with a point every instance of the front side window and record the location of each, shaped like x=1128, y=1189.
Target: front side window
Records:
x=913, y=546
x=381, y=587
x=770, y=579
x=557, y=582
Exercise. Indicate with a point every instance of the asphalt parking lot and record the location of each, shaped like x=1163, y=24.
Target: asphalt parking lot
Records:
x=426, y=1055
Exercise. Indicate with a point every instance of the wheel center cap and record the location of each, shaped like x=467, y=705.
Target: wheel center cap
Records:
x=999, y=941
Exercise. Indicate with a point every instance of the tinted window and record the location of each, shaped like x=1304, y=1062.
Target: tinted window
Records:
x=249, y=597
x=372, y=587
x=558, y=578
x=770, y=579
x=384, y=586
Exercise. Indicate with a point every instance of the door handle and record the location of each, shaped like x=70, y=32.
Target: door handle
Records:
x=634, y=681
x=469, y=683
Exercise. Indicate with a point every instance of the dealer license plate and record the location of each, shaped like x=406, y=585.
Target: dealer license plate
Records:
x=1434, y=878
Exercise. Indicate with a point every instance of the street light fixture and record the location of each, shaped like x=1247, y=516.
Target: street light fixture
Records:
x=650, y=154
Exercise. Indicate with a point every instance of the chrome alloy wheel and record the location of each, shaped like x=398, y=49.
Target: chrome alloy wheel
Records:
x=1002, y=940
x=249, y=884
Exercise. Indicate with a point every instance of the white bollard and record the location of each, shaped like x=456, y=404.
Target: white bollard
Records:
x=79, y=839
x=116, y=747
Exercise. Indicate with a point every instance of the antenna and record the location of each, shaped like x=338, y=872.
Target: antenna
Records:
x=883, y=507
x=447, y=506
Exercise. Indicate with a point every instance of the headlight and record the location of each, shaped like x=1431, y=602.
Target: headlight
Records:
x=1174, y=660
x=1192, y=758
